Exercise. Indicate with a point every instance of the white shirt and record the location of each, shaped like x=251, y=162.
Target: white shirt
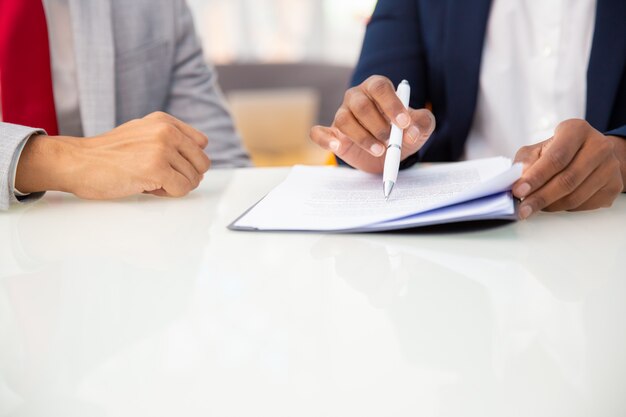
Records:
x=63, y=64
x=533, y=74
x=63, y=61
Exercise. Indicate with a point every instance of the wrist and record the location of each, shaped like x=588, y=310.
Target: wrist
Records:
x=47, y=163
x=620, y=152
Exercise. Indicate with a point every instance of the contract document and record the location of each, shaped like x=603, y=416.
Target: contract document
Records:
x=330, y=199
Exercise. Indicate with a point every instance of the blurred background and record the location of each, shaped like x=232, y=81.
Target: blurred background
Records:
x=284, y=66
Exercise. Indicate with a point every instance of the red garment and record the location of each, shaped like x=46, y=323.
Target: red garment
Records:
x=25, y=70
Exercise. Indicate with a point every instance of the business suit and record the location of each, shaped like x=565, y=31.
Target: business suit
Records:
x=134, y=58
x=437, y=45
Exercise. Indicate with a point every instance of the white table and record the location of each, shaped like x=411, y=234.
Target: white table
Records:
x=151, y=307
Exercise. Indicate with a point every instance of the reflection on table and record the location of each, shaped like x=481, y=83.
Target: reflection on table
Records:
x=152, y=307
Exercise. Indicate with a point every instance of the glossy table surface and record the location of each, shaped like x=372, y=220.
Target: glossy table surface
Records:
x=151, y=307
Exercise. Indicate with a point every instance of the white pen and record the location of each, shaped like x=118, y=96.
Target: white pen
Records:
x=394, y=148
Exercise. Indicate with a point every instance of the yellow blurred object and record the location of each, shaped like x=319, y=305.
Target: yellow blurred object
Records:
x=275, y=125
x=331, y=160
x=276, y=104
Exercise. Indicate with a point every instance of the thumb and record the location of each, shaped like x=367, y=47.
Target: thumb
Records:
x=422, y=126
x=529, y=155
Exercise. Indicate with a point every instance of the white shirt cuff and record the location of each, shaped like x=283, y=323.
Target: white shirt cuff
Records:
x=16, y=159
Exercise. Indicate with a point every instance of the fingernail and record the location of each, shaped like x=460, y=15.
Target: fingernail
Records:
x=523, y=190
x=403, y=120
x=525, y=212
x=414, y=133
x=334, y=145
x=377, y=149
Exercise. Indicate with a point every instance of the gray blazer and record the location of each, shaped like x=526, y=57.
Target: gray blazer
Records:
x=134, y=58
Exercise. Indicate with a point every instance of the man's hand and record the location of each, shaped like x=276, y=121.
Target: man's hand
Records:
x=362, y=126
x=157, y=154
x=578, y=168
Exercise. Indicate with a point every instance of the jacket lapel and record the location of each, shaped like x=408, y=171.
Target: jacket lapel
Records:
x=95, y=59
x=608, y=59
x=465, y=37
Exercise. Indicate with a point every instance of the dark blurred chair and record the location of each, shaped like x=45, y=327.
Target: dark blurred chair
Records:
x=330, y=81
x=275, y=105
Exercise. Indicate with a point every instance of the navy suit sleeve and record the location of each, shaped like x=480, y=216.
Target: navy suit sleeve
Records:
x=621, y=131
x=618, y=132
x=393, y=47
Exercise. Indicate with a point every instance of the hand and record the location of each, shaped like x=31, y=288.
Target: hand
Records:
x=362, y=126
x=157, y=154
x=577, y=169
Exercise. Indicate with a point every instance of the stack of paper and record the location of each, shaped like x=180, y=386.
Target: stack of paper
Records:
x=345, y=200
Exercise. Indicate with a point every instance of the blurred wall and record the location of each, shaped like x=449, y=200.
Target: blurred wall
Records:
x=282, y=30
x=284, y=65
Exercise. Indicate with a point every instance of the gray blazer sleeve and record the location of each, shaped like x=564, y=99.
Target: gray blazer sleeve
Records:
x=196, y=98
x=12, y=140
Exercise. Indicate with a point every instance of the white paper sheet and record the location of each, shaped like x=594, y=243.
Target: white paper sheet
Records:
x=334, y=199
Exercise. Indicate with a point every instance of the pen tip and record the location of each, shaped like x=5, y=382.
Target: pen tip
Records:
x=387, y=188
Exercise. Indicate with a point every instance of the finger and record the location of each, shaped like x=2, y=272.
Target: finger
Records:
x=176, y=184
x=605, y=197
x=589, y=195
x=333, y=140
x=567, y=181
x=196, y=156
x=383, y=93
x=419, y=132
x=198, y=137
x=184, y=167
x=527, y=156
x=368, y=115
x=425, y=121
x=583, y=193
x=159, y=193
x=350, y=127
x=327, y=138
x=555, y=156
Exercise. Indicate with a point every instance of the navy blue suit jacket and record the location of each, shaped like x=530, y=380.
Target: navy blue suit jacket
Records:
x=437, y=45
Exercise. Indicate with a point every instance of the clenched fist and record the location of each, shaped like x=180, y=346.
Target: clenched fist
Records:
x=157, y=154
x=578, y=168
